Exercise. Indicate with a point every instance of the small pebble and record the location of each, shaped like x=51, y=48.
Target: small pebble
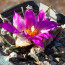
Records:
x=13, y=54
x=60, y=63
x=57, y=59
x=3, y=31
x=29, y=7
x=54, y=48
x=14, y=36
x=51, y=58
x=63, y=64
x=3, y=47
x=63, y=26
x=46, y=63
x=63, y=59
x=61, y=49
x=53, y=63
x=57, y=44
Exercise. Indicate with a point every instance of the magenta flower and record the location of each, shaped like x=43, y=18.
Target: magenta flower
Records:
x=35, y=28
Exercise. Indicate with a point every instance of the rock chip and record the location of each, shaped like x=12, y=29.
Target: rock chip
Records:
x=13, y=54
x=57, y=44
x=46, y=63
x=60, y=63
x=53, y=63
x=61, y=49
x=57, y=59
x=63, y=64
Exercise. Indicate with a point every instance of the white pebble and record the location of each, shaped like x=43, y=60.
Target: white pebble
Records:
x=29, y=7
x=46, y=63
x=57, y=59
x=14, y=36
x=13, y=54
x=63, y=26
x=3, y=31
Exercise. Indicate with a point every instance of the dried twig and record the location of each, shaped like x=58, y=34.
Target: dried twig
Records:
x=5, y=39
x=1, y=17
x=22, y=10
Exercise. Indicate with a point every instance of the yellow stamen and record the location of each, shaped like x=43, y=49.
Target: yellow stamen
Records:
x=32, y=33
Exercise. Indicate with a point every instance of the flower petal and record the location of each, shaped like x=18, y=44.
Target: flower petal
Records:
x=38, y=39
x=18, y=22
x=47, y=25
x=45, y=35
x=38, y=42
x=9, y=28
x=41, y=16
x=30, y=19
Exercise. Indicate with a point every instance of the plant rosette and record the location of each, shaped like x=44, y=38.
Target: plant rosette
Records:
x=31, y=29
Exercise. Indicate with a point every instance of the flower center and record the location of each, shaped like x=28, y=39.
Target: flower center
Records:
x=32, y=33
